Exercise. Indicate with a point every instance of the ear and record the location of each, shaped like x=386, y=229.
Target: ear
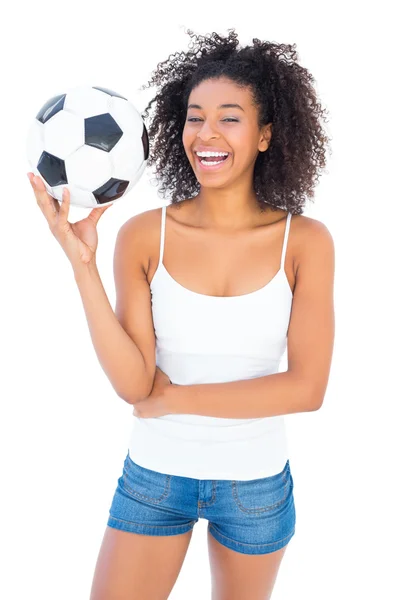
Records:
x=265, y=137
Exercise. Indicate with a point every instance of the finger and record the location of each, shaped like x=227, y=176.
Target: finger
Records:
x=47, y=203
x=64, y=208
x=96, y=213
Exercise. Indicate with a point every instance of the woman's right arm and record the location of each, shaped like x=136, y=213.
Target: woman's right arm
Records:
x=124, y=340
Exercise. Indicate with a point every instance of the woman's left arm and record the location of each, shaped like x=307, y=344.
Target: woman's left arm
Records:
x=310, y=347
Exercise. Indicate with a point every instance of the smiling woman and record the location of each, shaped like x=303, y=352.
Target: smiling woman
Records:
x=272, y=93
x=213, y=294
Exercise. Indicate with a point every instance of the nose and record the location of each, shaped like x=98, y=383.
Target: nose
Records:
x=206, y=132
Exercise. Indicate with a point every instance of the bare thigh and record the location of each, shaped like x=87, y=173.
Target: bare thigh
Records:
x=133, y=566
x=238, y=576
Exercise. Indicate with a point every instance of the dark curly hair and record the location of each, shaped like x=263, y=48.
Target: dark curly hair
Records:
x=285, y=175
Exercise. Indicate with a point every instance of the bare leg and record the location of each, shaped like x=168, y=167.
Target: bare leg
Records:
x=238, y=576
x=134, y=566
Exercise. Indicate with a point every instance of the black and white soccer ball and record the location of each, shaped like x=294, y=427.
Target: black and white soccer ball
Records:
x=90, y=140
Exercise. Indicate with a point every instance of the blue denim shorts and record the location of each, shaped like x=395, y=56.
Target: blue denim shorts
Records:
x=252, y=517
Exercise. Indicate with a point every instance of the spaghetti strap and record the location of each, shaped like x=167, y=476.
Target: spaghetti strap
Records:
x=162, y=237
x=285, y=239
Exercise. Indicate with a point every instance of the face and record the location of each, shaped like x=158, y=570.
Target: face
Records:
x=231, y=129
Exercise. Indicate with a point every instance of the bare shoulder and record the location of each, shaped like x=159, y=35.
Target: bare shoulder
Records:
x=148, y=223
x=143, y=223
x=306, y=226
x=310, y=236
x=139, y=234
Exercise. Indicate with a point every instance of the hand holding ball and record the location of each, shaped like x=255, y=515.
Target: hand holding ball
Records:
x=78, y=240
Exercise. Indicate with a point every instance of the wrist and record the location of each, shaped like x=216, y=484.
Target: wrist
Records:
x=82, y=269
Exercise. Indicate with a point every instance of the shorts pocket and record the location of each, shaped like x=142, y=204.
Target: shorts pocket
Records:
x=145, y=484
x=265, y=494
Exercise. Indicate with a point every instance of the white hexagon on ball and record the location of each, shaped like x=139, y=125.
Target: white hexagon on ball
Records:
x=73, y=134
x=86, y=101
x=88, y=168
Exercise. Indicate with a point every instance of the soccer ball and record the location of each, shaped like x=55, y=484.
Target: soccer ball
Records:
x=92, y=141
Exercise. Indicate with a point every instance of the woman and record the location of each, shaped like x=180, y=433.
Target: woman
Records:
x=211, y=290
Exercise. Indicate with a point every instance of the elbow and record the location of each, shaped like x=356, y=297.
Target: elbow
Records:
x=316, y=405
x=312, y=392
x=310, y=397
x=133, y=398
x=126, y=398
x=138, y=395
x=316, y=399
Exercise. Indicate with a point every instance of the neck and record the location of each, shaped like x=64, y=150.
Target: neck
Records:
x=222, y=209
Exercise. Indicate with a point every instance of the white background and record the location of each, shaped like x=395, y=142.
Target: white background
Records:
x=64, y=431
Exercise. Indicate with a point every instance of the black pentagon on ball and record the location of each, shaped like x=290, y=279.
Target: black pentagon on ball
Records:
x=109, y=92
x=51, y=108
x=145, y=142
x=52, y=169
x=111, y=190
x=102, y=132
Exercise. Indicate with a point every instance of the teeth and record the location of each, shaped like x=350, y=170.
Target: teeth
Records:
x=212, y=153
x=211, y=162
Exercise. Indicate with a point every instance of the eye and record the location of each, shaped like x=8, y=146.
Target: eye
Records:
x=227, y=119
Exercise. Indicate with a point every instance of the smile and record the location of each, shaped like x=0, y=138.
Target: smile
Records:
x=211, y=167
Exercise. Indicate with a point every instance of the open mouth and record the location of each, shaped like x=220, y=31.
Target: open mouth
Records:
x=213, y=163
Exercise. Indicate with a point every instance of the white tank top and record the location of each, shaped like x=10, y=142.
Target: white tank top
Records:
x=214, y=339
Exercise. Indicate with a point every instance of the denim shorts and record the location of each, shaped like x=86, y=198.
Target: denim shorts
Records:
x=252, y=517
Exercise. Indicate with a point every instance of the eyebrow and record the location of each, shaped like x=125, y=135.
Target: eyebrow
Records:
x=220, y=106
